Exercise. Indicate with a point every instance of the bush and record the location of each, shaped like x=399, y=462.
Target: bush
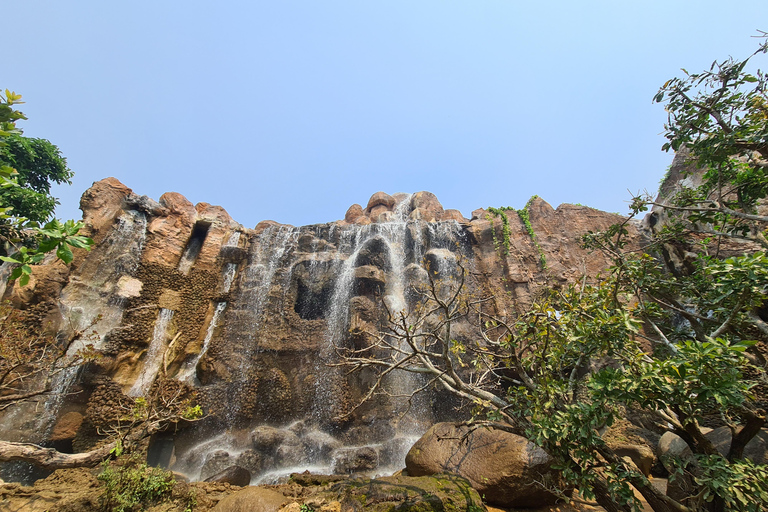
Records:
x=131, y=485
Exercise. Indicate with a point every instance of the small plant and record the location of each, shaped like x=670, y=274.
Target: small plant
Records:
x=130, y=485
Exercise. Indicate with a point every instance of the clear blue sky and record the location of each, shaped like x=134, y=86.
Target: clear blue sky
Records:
x=294, y=110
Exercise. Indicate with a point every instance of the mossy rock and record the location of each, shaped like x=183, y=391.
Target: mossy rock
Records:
x=438, y=493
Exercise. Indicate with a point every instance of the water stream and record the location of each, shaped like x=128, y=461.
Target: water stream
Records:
x=153, y=359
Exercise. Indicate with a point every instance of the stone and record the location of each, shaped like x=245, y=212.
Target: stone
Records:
x=428, y=205
x=319, y=445
x=129, y=287
x=354, y=213
x=251, y=460
x=355, y=459
x=268, y=439
x=380, y=199
x=66, y=428
x=214, y=463
x=439, y=493
x=102, y=204
x=452, y=214
x=251, y=499
x=756, y=449
x=640, y=455
x=504, y=468
x=233, y=475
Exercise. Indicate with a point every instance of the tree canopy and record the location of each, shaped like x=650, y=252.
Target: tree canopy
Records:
x=38, y=165
x=27, y=168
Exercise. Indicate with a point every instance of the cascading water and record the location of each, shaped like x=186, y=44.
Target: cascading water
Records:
x=331, y=259
x=153, y=359
x=256, y=281
x=187, y=372
x=94, y=300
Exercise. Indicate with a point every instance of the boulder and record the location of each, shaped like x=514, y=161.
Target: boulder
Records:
x=233, y=475
x=214, y=463
x=641, y=456
x=756, y=449
x=353, y=213
x=269, y=439
x=67, y=426
x=438, y=493
x=251, y=499
x=251, y=460
x=429, y=207
x=380, y=199
x=355, y=459
x=504, y=468
x=672, y=446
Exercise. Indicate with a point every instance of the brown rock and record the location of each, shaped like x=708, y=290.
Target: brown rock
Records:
x=380, y=198
x=451, y=214
x=355, y=459
x=101, y=204
x=251, y=499
x=641, y=456
x=355, y=212
x=67, y=426
x=427, y=203
x=506, y=469
x=233, y=475
x=756, y=449
x=167, y=235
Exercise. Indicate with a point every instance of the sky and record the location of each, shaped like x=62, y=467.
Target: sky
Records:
x=294, y=110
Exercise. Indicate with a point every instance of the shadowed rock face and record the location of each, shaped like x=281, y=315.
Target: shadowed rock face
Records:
x=250, y=317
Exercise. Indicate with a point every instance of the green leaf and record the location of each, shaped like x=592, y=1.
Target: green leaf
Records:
x=64, y=253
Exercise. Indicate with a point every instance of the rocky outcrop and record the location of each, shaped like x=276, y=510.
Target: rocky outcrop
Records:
x=506, y=469
x=250, y=319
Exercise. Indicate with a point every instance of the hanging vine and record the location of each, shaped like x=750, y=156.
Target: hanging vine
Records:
x=505, y=241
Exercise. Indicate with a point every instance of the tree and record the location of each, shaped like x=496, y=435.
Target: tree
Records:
x=25, y=201
x=675, y=341
x=38, y=165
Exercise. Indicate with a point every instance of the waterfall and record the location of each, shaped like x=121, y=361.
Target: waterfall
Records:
x=94, y=300
x=153, y=358
x=187, y=373
x=265, y=259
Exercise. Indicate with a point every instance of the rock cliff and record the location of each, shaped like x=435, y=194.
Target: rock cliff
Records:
x=250, y=319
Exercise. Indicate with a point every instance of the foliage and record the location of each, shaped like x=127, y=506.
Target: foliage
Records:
x=670, y=337
x=525, y=217
x=720, y=116
x=38, y=164
x=25, y=200
x=131, y=485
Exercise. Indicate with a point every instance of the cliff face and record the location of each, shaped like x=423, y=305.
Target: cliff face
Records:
x=250, y=318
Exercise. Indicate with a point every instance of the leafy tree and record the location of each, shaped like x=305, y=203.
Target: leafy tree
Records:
x=27, y=167
x=673, y=340
x=38, y=165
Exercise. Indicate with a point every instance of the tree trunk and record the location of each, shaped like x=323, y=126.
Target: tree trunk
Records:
x=48, y=458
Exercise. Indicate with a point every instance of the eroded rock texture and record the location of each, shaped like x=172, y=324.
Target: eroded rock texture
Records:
x=250, y=319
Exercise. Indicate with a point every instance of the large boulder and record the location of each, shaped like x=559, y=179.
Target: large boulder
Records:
x=504, y=468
